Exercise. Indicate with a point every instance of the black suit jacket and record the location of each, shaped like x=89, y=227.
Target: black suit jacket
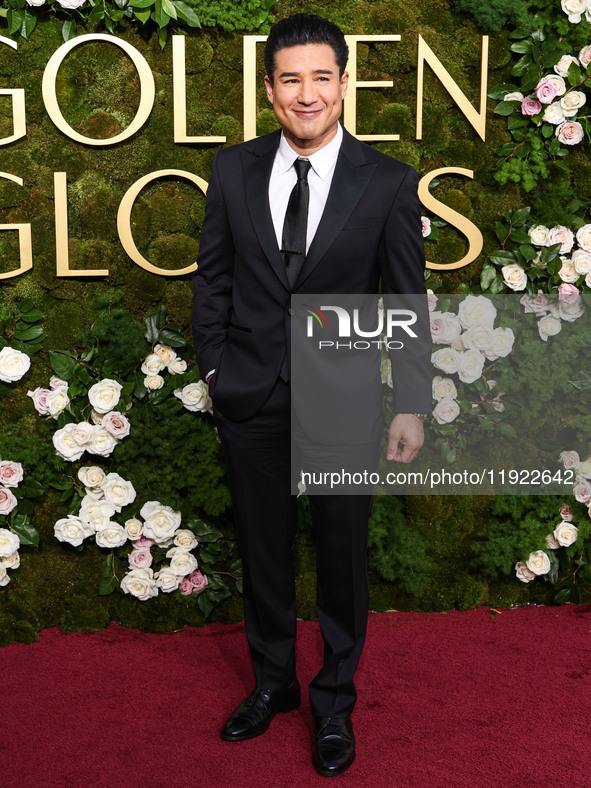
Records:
x=369, y=234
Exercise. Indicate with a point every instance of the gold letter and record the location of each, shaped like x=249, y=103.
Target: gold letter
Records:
x=350, y=110
x=476, y=119
x=179, y=94
x=456, y=219
x=250, y=85
x=124, y=219
x=24, y=237
x=147, y=89
x=19, y=121
x=62, y=258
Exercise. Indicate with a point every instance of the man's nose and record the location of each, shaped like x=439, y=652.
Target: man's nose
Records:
x=307, y=93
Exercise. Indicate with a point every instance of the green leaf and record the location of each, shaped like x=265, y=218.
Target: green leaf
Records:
x=504, y=108
x=507, y=430
x=527, y=251
x=29, y=488
x=15, y=19
x=500, y=91
x=143, y=15
x=27, y=533
x=109, y=581
x=205, y=532
x=159, y=15
x=171, y=338
x=32, y=316
x=28, y=25
x=562, y=596
x=521, y=66
x=204, y=604
x=26, y=305
x=142, y=3
x=68, y=29
x=519, y=236
x=169, y=8
x=240, y=585
x=487, y=275
x=63, y=365
x=24, y=332
x=547, y=130
x=519, y=217
x=574, y=74
x=522, y=46
x=502, y=257
x=96, y=14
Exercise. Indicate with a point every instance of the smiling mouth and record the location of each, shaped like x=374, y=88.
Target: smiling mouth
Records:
x=301, y=113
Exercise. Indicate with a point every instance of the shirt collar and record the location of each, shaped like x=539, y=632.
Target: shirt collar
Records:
x=322, y=161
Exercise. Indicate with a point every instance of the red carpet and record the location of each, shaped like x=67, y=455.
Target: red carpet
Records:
x=454, y=699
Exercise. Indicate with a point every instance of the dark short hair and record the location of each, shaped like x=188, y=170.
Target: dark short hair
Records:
x=305, y=29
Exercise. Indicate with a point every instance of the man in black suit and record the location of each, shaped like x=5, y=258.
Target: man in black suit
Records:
x=355, y=214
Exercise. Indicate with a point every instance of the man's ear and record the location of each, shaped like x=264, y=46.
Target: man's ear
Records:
x=344, y=84
x=269, y=86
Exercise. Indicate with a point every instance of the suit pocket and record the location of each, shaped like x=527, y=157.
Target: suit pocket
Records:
x=236, y=327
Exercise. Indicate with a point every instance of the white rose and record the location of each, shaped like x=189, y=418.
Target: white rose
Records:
x=477, y=338
x=471, y=366
x=153, y=382
x=581, y=260
x=117, y=424
x=101, y=443
x=447, y=359
x=574, y=9
x=538, y=304
x=539, y=235
x=585, y=55
x=118, y=491
x=446, y=411
x=185, y=539
x=551, y=542
x=4, y=578
x=515, y=96
x=13, y=364
x=514, y=276
x=160, y=522
x=570, y=132
x=565, y=533
x=35, y=2
x=39, y=397
x=563, y=65
x=195, y=396
x=65, y=445
x=502, y=343
x=57, y=383
x=431, y=300
x=177, y=367
x=9, y=542
x=582, y=490
x=443, y=388
x=476, y=310
x=72, y=529
x=570, y=459
x=96, y=418
x=584, y=237
x=140, y=583
x=572, y=102
x=134, y=528
x=71, y=4
x=167, y=354
x=114, y=535
x=561, y=235
x=11, y=473
x=11, y=561
x=167, y=579
x=96, y=514
x=458, y=344
x=153, y=364
x=571, y=312
x=538, y=563
x=181, y=561
x=523, y=573
x=588, y=279
x=548, y=326
x=554, y=114
x=92, y=476
x=425, y=226
x=567, y=272
x=445, y=327
x=57, y=402
x=82, y=433
x=583, y=468
x=104, y=395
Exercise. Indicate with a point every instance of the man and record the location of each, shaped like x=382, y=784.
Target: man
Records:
x=356, y=212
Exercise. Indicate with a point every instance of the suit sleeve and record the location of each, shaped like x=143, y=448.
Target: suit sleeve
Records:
x=212, y=281
x=402, y=259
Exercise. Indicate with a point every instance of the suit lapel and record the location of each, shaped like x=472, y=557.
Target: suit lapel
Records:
x=350, y=179
x=257, y=165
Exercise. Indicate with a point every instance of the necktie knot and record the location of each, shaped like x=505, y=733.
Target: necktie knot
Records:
x=302, y=167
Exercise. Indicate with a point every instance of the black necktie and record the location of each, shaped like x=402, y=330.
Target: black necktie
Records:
x=296, y=222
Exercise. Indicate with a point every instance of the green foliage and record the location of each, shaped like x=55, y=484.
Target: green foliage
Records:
x=496, y=15
x=232, y=14
x=121, y=338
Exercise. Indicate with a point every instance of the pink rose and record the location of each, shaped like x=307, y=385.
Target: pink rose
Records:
x=117, y=424
x=547, y=90
x=425, y=226
x=11, y=473
x=57, y=383
x=570, y=132
x=566, y=513
x=7, y=501
x=198, y=580
x=186, y=587
x=39, y=397
x=143, y=541
x=140, y=559
x=537, y=304
x=585, y=56
x=567, y=293
x=529, y=106
x=561, y=235
x=582, y=490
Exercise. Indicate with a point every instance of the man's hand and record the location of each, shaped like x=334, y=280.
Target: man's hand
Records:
x=406, y=437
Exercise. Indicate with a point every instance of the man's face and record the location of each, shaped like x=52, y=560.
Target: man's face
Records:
x=307, y=94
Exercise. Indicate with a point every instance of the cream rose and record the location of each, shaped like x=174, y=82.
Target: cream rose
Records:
x=539, y=235
x=563, y=65
x=572, y=102
x=117, y=424
x=574, y=9
x=446, y=411
x=11, y=561
x=181, y=561
x=160, y=522
x=447, y=359
x=443, y=388
x=57, y=383
x=445, y=327
x=167, y=354
x=4, y=578
x=516, y=95
x=477, y=310
x=565, y=533
x=561, y=235
x=177, y=367
x=584, y=468
x=57, y=402
x=9, y=542
x=478, y=338
x=96, y=514
x=195, y=396
x=567, y=272
x=554, y=114
x=82, y=433
x=114, y=535
x=92, y=476
x=514, y=276
x=538, y=563
x=134, y=528
x=101, y=443
x=551, y=542
x=585, y=55
x=581, y=259
x=72, y=529
x=458, y=344
x=39, y=397
x=104, y=395
x=571, y=311
x=471, y=366
x=118, y=491
x=548, y=326
x=153, y=364
x=65, y=445
x=584, y=237
x=185, y=539
x=582, y=490
x=153, y=382
x=431, y=300
x=570, y=132
x=140, y=583
x=523, y=573
x=167, y=579
x=570, y=459
x=502, y=343
x=11, y=473
x=13, y=364
x=71, y=4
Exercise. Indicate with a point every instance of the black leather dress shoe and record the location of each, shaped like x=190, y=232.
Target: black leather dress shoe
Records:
x=254, y=715
x=335, y=745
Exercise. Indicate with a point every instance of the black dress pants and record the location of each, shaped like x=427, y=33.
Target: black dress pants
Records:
x=258, y=457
